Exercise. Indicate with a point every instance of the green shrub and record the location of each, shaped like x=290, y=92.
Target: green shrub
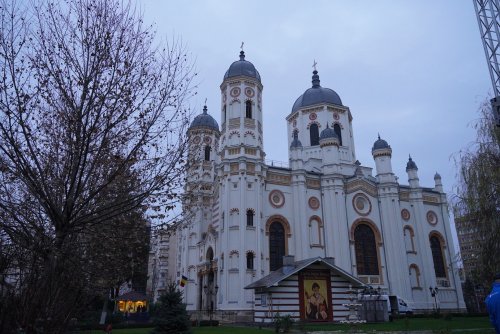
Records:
x=282, y=324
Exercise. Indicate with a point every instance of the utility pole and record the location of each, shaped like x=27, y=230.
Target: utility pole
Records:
x=487, y=12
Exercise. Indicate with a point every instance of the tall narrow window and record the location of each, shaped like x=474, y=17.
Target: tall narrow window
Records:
x=314, y=134
x=437, y=257
x=250, y=258
x=414, y=276
x=366, y=250
x=338, y=131
x=276, y=245
x=409, y=242
x=249, y=218
x=207, y=153
x=224, y=115
x=248, y=109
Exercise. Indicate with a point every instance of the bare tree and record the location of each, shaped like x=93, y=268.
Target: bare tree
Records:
x=477, y=200
x=92, y=131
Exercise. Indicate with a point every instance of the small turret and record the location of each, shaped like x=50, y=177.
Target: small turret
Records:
x=382, y=153
x=438, y=186
x=411, y=169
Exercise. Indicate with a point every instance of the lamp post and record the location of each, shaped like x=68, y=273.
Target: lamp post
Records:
x=210, y=292
x=434, y=292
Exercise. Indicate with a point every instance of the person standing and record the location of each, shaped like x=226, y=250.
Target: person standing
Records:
x=493, y=304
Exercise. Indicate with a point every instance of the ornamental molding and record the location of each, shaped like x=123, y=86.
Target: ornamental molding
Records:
x=310, y=110
x=404, y=196
x=362, y=204
x=431, y=199
x=405, y=214
x=335, y=109
x=314, y=203
x=313, y=183
x=276, y=198
x=275, y=178
x=249, y=133
x=361, y=185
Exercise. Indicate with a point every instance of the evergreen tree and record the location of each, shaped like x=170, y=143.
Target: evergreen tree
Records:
x=170, y=315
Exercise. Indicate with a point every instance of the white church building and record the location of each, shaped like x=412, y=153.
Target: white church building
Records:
x=242, y=216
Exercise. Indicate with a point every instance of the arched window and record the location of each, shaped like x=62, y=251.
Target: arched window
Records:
x=409, y=242
x=366, y=250
x=250, y=258
x=314, y=134
x=315, y=230
x=249, y=217
x=414, y=276
x=338, y=131
x=207, y=153
x=276, y=245
x=437, y=256
x=210, y=254
x=248, y=109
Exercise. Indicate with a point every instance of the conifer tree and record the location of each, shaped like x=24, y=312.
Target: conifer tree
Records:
x=170, y=315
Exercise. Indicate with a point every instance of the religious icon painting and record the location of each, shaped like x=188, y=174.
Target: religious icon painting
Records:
x=315, y=295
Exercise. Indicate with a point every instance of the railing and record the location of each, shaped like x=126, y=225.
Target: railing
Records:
x=274, y=163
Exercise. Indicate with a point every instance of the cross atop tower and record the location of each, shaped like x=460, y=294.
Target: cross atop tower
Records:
x=314, y=64
x=241, y=47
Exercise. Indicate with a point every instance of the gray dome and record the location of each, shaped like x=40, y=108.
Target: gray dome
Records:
x=380, y=144
x=295, y=142
x=411, y=164
x=242, y=67
x=204, y=120
x=316, y=94
x=328, y=133
x=437, y=176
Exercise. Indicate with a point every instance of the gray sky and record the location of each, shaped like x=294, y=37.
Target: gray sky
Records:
x=413, y=71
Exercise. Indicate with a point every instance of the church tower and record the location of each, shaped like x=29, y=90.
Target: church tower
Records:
x=317, y=109
x=198, y=237
x=241, y=178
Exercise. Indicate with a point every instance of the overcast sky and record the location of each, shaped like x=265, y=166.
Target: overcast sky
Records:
x=413, y=71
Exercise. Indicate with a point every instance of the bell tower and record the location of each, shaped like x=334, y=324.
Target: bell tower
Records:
x=241, y=178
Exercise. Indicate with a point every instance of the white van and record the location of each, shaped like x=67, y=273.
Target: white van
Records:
x=395, y=304
x=399, y=305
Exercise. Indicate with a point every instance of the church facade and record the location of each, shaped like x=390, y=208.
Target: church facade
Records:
x=242, y=216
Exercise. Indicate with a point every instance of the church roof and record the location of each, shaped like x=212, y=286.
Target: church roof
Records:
x=328, y=133
x=316, y=94
x=411, y=164
x=286, y=271
x=380, y=144
x=204, y=120
x=242, y=67
x=133, y=296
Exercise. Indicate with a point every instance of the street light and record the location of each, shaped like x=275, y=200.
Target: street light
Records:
x=434, y=292
x=210, y=292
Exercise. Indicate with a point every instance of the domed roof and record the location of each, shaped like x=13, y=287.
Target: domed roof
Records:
x=380, y=144
x=204, y=120
x=328, y=133
x=437, y=176
x=242, y=67
x=316, y=94
x=411, y=164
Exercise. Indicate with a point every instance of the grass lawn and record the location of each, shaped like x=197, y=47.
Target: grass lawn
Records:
x=414, y=324
x=480, y=325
